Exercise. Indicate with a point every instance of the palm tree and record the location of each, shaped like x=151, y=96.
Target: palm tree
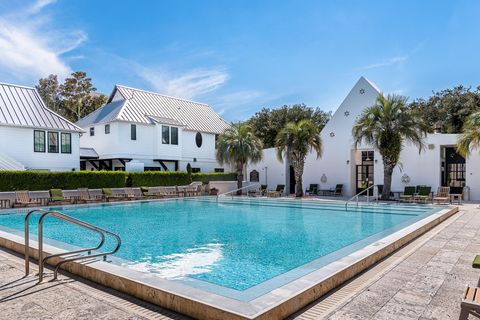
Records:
x=295, y=141
x=385, y=126
x=237, y=146
x=470, y=137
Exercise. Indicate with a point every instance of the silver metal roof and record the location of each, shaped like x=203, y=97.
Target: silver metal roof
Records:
x=88, y=153
x=23, y=106
x=141, y=106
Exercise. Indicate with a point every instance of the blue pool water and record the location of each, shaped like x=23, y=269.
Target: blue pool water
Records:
x=235, y=244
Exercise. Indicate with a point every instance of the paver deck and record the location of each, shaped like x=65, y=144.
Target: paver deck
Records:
x=423, y=280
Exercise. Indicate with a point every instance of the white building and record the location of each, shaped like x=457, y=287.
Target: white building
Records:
x=33, y=137
x=139, y=130
x=341, y=163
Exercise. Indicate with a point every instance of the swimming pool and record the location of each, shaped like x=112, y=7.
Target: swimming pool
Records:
x=237, y=248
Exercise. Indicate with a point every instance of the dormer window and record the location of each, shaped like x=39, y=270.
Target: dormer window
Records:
x=92, y=131
x=107, y=129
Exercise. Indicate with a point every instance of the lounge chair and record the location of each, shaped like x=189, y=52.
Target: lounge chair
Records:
x=152, y=192
x=408, y=193
x=85, y=196
x=338, y=190
x=423, y=194
x=258, y=192
x=56, y=197
x=168, y=191
x=312, y=189
x=443, y=195
x=134, y=194
x=109, y=196
x=180, y=191
x=470, y=303
x=277, y=192
x=22, y=198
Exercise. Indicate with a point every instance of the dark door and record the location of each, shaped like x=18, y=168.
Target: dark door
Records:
x=454, y=171
x=292, y=180
x=364, y=172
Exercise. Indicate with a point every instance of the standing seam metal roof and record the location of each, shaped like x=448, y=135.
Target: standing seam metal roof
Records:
x=140, y=106
x=23, y=106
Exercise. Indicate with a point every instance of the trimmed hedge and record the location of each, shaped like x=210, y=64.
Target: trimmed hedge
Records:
x=175, y=178
x=158, y=178
x=38, y=180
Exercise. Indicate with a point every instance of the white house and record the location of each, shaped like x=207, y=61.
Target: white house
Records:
x=341, y=163
x=140, y=130
x=33, y=137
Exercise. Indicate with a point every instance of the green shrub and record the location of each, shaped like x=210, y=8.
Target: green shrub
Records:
x=37, y=180
x=159, y=178
x=206, y=177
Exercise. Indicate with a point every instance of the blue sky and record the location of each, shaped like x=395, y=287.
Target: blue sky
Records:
x=240, y=56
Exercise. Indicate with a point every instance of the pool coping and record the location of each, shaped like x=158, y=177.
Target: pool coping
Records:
x=275, y=304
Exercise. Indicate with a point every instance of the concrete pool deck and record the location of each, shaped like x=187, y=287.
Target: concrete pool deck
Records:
x=424, y=282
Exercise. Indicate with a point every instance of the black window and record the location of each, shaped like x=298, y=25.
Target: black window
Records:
x=195, y=170
x=219, y=170
x=52, y=142
x=166, y=134
x=107, y=129
x=38, y=141
x=66, y=142
x=174, y=133
x=133, y=132
x=92, y=131
x=198, y=139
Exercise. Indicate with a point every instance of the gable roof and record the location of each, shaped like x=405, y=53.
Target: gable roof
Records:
x=23, y=107
x=141, y=106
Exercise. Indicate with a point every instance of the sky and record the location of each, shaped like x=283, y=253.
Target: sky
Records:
x=241, y=56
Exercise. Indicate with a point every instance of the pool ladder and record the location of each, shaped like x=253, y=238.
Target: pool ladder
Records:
x=68, y=256
x=359, y=194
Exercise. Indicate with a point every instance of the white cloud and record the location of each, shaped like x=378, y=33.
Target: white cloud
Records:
x=39, y=5
x=239, y=98
x=386, y=63
x=187, y=85
x=30, y=47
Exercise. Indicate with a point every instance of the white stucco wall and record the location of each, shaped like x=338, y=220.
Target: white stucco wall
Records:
x=340, y=158
x=17, y=143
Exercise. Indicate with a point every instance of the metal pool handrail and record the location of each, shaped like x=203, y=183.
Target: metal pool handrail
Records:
x=359, y=194
x=58, y=215
x=238, y=189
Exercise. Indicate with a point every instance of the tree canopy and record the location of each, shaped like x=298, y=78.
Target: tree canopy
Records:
x=267, y=123
x=74, y=98
x=295, y=141
x=446, y=111
x=385, y=126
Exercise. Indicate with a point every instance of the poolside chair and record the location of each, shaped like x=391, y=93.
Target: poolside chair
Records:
x=423, y=194
x=312, y=189
x=56, y=197
x=134, y=194
x=277, y=192
x=22, y=198
x=442, y=196
x=408, y=193
x=470, y=303
x=109, y=196
x=168, y=191
x=180, y=191
x=380, y=191
x=338, y=190
x=152, y=192
x=85, y=196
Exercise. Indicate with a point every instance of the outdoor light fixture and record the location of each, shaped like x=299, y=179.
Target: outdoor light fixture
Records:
x=323, y=179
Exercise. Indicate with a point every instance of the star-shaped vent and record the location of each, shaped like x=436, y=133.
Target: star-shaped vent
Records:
x=362, y=91
x=346, y=113
x=332, y=134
